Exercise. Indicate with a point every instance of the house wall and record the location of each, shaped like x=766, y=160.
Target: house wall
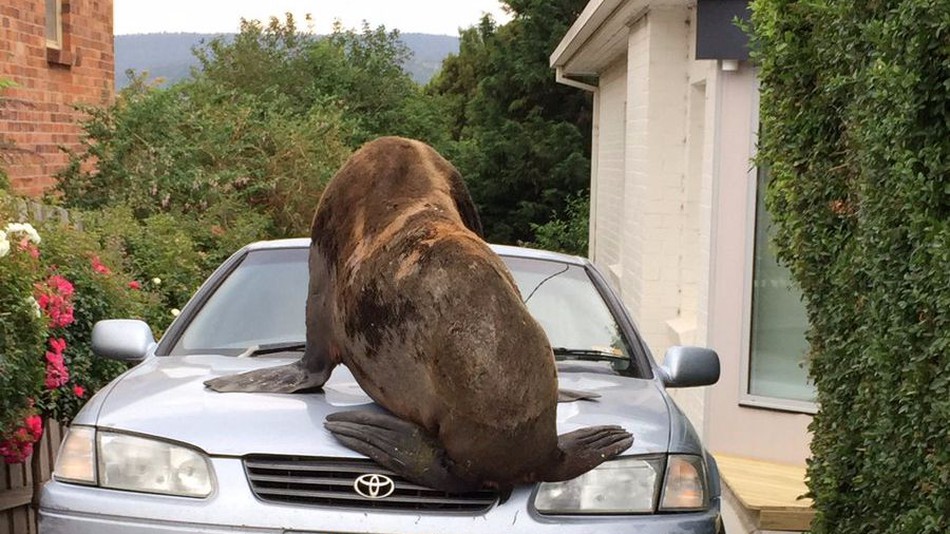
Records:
x=742, y=431
x=607, y=196
x=37, y=116
x=686, y=218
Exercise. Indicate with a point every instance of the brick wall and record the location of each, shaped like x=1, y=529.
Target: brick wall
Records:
x=37, y=116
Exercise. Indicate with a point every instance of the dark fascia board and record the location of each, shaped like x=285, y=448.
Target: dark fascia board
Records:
x=717, y=35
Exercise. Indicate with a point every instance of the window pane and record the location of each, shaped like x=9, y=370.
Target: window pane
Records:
x=566, y=304
x=778, y=344
x=52, y=21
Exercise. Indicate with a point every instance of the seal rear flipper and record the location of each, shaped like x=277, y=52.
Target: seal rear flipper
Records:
x=570, y=395
x=291, y=378
x=585, y=449
x=400, y=446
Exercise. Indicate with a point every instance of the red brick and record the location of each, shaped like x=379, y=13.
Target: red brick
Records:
x=37, y=115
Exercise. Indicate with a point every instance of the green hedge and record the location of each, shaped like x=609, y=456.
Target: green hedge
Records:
x=855, y=116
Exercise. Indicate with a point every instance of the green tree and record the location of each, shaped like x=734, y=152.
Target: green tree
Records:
x=521, y=140
x=855, y=111
x=359, y=72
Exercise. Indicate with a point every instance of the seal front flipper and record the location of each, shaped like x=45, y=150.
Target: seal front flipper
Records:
x=400, y=446
x=291, y=378
x=585, y=449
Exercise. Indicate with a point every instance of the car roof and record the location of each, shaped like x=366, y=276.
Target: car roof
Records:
x=501, y=250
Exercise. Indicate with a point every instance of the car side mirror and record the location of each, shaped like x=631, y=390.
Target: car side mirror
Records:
x=122, y=339
x=686, y=367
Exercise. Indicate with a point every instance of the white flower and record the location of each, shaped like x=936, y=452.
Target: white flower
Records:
x=175, y=312
x=4, y=244
x=157, y=281
x=36, y=306
x=25, y=228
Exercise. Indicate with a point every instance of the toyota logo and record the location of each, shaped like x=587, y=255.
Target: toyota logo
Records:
x=373, y=486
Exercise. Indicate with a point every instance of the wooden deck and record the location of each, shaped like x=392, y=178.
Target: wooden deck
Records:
x=770, y=492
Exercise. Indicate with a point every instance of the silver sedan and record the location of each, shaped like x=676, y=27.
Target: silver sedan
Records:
x=156, y=452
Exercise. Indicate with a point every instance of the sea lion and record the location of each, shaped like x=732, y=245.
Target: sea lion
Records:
x=405, y=293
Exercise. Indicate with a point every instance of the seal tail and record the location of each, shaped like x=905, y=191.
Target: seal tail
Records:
x=291, y=378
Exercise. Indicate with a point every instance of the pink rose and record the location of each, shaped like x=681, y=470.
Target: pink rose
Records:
x=57, y=344
x=34, y=424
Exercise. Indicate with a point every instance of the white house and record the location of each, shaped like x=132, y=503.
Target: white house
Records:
x=678, y=221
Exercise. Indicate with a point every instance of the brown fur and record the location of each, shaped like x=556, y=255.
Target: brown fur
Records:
x=406, y=294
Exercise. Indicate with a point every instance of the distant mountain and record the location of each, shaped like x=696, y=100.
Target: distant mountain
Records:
x=168, y=55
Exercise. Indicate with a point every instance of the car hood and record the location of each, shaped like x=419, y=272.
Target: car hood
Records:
x=165, y=397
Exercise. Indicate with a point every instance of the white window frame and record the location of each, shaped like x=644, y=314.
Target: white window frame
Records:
x=58, y=43
x=746, y=398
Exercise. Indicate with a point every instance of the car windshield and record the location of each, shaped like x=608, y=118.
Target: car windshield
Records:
x=262, y=301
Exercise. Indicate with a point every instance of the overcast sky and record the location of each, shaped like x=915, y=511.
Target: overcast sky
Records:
x=223, y=16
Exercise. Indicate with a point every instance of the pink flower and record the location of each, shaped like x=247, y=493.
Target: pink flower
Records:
x=79, y=391
x=60, y=285
x=134, y=285
x=14, y=451
x=58, y=345
x=19, y=446
x=30, y=248
x=53, y=358
x=56, y=372
x=98, y=266
x=55, y=300
x=34, y=424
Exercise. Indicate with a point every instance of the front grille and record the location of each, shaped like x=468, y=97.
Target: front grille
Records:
x=330, y=482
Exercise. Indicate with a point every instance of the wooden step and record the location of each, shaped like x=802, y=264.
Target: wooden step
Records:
x=771, y=492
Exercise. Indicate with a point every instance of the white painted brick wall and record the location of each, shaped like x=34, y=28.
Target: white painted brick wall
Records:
x=653, y=202
x=610, y=167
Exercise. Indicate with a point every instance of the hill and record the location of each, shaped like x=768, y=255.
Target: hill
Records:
x=168, y=55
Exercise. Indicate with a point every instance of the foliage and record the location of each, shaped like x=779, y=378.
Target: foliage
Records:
x=4, y=144
x=521, y=140
x=570, y=234
x=185, y=149
x=856, y=130
x=358, y=72
x=52, y=290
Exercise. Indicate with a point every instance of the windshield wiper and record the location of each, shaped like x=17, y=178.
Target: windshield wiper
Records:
x=564, y=353
x=272, y=348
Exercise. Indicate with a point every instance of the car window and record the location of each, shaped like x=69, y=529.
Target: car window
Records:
x=562, y=298
x=263, y=300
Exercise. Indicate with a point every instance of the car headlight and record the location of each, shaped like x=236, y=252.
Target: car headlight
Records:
x=123, y=462
x=624, y=486
x=629, y=486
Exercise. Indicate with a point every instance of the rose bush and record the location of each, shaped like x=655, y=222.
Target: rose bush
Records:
x=55, y=283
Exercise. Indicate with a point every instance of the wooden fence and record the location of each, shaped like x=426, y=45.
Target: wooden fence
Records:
x=17, y=515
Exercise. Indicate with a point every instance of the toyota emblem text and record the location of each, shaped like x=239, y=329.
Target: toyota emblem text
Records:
x=373, y=486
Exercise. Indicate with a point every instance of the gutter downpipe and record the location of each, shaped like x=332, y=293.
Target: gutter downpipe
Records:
x=592, y=214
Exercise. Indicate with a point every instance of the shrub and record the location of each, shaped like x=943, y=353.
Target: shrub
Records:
x=855, y=113
x=192, y=147
x=570, y=234
x=52, y=290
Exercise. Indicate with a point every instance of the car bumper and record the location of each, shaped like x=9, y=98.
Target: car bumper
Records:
x=72, y=509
